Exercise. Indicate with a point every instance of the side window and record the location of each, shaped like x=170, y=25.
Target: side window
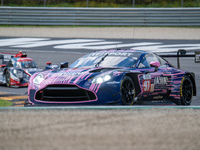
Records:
x=144, y=63
x=18, y=64
x=162, y=61
x=147, y=59
x=152, y=58
x=10, y=64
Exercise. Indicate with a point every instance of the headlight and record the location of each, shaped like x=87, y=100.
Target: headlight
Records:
x=101, y=79
x=18, y=73
x=38, y=79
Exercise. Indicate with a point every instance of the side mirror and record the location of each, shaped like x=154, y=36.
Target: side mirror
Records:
x=155, y=64
x=49, y=67
x=64, y=65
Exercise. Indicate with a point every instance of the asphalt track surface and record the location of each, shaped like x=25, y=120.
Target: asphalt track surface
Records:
x=154, y=128
x=58, y=50
x=142, y=129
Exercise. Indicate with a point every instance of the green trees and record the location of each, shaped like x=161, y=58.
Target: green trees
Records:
x=103, y=3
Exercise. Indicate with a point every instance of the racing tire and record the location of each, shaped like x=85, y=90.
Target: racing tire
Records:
x=186, y=91
x=127, y=90
x=7, y=78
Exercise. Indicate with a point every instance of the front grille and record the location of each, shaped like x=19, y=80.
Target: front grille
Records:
x=64, y=93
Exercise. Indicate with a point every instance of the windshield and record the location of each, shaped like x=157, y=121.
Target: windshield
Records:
x=26, y=64
x=114, y=59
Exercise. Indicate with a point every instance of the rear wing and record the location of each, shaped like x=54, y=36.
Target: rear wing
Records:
x=197, y=57
x=182, y=53
x=5, y=57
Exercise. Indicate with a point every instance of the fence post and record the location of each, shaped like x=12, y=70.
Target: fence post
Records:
x=181, y=3
x=1, y=2
x=87, y=3
x=45, y=1
x=133, y=3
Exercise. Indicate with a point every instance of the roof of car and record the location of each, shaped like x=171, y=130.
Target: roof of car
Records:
x=120, y=50
x=24, y=59
x=21, y=59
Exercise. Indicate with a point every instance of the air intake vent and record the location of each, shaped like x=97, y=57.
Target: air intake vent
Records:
x=64, y=93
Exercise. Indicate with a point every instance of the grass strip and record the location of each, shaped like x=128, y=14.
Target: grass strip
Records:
x=4, y=103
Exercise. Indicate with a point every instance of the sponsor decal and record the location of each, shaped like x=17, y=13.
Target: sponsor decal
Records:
x=117, y=73
x=159, y=101
x=66, y=74
x=75, y=73
x=113, y=82
x=147, y=85
x=160, y=80
x=114, y=54
x=147, y=76
x=158, y=97
x=58, y=81
x=152, y=88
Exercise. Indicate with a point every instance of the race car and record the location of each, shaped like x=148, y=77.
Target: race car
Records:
x=112, y=77
x=16, y=69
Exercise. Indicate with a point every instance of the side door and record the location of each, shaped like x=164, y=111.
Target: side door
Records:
x=153, y=82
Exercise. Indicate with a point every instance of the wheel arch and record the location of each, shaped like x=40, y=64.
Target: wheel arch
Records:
x=134, y=77
x=4, y=71
x=191, y=75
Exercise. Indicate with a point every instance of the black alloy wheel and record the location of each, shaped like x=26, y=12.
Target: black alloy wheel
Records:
x=186, y=91
x=7, y=78
x=127, y=91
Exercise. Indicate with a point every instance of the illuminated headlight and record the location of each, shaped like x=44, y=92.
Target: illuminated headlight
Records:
x=18, y=73
x=101, y=79
x=106, y=78
x=38, y=79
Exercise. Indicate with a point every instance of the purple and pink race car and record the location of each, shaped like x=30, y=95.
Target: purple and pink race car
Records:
x=112, y=77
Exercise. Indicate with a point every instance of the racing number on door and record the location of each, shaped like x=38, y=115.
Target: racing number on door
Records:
x=146, y=85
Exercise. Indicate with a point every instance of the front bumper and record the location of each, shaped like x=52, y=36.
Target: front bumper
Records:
x=18, y=82
x=45, y=96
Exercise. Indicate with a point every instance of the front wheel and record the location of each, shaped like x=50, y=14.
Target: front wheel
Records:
x=127, y=91
x=186, y=91
x=7, y=78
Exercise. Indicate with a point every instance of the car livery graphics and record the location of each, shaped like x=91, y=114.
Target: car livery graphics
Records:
x=16, y=69
x=121, y=77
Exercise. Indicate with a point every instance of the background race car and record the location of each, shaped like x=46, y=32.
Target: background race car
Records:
x=117, y=77
x=16, y=69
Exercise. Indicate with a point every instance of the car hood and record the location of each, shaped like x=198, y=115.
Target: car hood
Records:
x=74, y=75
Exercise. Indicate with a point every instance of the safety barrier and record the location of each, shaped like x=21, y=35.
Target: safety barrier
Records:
x=100, y=16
